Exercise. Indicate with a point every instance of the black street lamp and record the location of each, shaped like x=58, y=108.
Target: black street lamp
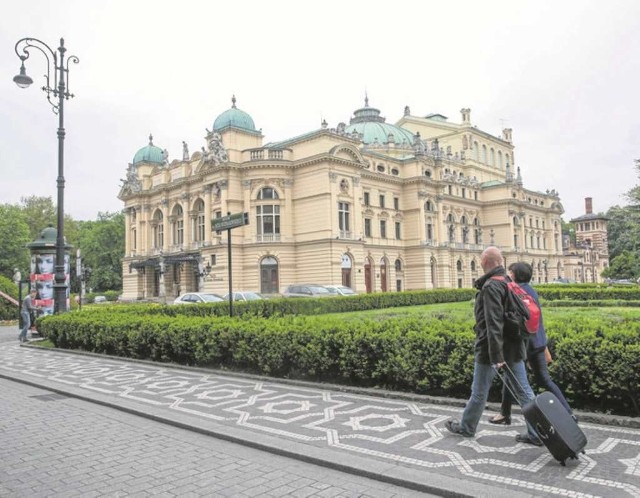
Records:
x=58, y=86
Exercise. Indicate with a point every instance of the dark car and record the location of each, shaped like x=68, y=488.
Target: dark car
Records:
x=307, y=290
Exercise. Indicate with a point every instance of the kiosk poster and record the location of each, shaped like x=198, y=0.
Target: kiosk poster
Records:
x=43, y=278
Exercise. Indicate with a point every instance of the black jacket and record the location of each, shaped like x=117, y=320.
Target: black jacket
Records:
x=492, y=346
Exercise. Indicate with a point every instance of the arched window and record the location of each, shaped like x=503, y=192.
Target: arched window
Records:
x=428, y=206
x=473, y=266
x=484, y=154
x=492, y=157
x=459, y=265
x=398, y=265
x=268, y=216
x=450, y=218
x=476, y=151
x=267, y=193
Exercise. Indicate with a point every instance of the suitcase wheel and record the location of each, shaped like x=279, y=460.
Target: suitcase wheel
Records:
x=562, y=462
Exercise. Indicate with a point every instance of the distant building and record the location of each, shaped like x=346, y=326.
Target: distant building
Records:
x=586, y=261
x=369, y=204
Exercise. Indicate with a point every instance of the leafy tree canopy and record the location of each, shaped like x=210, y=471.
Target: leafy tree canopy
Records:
x=14, y=237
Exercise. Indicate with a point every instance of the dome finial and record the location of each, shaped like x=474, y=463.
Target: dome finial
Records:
x=366, y=99
x=150, y=139
x=233, y=101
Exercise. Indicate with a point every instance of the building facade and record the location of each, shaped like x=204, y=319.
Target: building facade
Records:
x=369, y=204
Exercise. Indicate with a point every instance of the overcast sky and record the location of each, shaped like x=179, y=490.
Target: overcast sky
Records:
x=564, y=75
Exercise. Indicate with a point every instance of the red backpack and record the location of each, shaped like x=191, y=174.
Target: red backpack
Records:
x=521, y=310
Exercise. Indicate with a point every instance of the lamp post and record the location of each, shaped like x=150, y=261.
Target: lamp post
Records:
x=58, y=86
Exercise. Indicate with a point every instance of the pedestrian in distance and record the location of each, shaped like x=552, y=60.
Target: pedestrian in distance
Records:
x=521, y=273
x=25, y=314
x=493, y=350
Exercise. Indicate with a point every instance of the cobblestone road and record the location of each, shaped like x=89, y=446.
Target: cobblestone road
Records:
x=54, y=445
x=397, y=441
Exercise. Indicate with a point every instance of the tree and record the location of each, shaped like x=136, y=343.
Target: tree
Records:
x=623, y=230
x=625, y=266
x=39, y=213
x=102, y=245
x=14, y=237
x=568, y=229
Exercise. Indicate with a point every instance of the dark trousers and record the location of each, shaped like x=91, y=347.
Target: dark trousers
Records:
x=538, y=364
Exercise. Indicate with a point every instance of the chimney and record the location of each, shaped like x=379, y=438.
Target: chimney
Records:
x=588, y=206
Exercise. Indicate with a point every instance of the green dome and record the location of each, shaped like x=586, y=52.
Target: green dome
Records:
x=368, y=123
x=149, y=154
x=235, y=118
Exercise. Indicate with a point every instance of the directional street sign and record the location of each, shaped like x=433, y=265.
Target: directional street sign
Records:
x=230, y=221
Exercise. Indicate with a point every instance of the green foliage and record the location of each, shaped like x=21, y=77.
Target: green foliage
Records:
x=102, y=243
x=623, y=230
x=430, y=351
x=625, y=266
x=8, y=311
x=14, y=237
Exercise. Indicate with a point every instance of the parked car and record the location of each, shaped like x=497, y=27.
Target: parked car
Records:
x=563, y=281
x=197, y=297
x=244, y=296
x=341, y=290
x=306, y=290
x=100, y=299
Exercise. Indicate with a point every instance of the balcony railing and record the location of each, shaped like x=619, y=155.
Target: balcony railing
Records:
x=268, y=237
x=343, y=234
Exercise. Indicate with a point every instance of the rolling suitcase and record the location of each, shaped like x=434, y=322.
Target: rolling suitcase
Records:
x=557, y=428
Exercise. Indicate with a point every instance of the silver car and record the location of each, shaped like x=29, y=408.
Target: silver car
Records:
x=307, y=290
x=197, y=297
x=341, y=290
x=244, y=296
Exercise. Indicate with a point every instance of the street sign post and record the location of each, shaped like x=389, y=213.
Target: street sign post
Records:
x=228, y=223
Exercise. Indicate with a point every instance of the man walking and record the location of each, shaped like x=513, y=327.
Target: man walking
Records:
x=493, y=349
x=25, y=314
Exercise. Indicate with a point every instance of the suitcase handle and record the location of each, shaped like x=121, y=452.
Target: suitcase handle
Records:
x=508, y=385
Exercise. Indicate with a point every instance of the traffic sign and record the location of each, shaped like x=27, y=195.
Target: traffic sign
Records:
x=230, y=221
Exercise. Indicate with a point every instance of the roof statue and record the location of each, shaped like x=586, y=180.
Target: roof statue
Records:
x=185, y=151
x=131, y=184
x=217, y=152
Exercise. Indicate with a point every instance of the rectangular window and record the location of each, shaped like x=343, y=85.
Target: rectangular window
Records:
x=200, y=229
x=383, y=229
x=343, y=216
x=429, y=231
x=450, y=189
x=475, y=196
x=367, y=202
x=268, y=220
x=134, y=239
x=367, y=227
x=398, y=237
x=180, y=232
x=464, y=192
x=381, y=200
x=396, y=204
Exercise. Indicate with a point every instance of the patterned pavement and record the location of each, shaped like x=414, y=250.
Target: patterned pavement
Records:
x=401, y=441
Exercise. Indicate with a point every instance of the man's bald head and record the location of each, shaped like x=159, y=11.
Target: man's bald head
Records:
x=491, y=258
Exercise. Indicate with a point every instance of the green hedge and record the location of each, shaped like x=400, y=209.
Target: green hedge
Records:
x=597, y=355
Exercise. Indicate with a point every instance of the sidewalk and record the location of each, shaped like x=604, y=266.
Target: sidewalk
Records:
x=397, y=441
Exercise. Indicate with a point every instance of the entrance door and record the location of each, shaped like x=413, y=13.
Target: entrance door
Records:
x=269, y=276
x=346, y=270
x=383, y=275
x=368, y=276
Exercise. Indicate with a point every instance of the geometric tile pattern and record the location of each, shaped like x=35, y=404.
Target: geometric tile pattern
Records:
x=403, y=433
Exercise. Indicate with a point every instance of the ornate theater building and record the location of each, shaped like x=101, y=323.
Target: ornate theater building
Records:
x=371, y=205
